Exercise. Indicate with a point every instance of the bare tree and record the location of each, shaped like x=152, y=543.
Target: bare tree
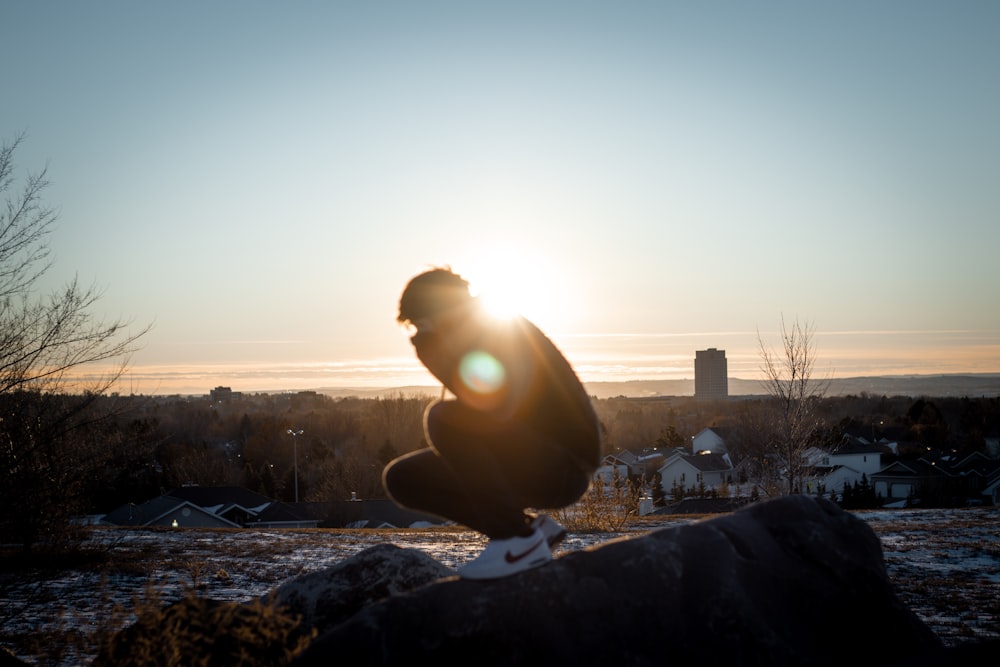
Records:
x=42, y=338
x=396, y=422
x=749, y=444
x=788, y=379
x=48, y=419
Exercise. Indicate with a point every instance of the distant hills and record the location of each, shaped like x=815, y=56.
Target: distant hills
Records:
x=972, y=385
x=916, y=386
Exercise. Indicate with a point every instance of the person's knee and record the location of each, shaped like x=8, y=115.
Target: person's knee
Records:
x=442, y=412
x=390, y=478
x=448, y=422
x=400, y=476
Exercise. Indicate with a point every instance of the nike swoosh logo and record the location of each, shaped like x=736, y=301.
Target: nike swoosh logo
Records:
x=513, y=558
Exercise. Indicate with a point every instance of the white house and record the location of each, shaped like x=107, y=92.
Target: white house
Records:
x=852, y=460
x=711, y=439
x=863, y=457
x=625, y=463
x=831, y=478
x=901, y=479
x=691, y=471
x=615, y=465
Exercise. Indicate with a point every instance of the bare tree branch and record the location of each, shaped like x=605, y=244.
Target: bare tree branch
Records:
x=42, y=339
x=24, y=223
x=788, y=379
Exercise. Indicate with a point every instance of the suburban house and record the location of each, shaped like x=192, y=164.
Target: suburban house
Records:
x=624, y=464
x=853, y=459
x=166, y=511
x=707, y=467
x=858, y=455
x=375, y=513
x=238, y=507
x=208, y=507
x=711, y=440
x=618, y=464
x=900, y=480
x=695, y=471
x=973, y=477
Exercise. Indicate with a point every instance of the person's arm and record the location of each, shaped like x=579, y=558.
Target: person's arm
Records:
x=433, y=351
x=497, y=369
x=482, y=363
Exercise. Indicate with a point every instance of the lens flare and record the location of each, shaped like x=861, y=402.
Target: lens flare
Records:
x=481, y=372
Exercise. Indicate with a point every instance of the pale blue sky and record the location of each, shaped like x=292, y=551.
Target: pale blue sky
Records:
x=259, y=180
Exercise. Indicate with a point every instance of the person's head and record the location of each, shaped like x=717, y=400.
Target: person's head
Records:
x=432, y=293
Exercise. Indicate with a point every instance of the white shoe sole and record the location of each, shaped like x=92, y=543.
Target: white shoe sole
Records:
x=519, y=555
x=554, y=532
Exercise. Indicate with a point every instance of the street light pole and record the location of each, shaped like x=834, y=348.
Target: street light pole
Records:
x=295, y=449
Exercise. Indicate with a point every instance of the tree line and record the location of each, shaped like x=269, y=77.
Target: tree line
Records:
x=79, y=455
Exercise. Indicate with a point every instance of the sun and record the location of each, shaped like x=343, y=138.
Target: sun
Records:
x=513, y=280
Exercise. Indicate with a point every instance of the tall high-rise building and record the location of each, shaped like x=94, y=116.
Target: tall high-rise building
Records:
x=711, y=374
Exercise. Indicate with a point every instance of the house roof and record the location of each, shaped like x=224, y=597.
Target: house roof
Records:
x=132, y=514
x=156, y=509
x=279, y=512
x=704, y=506
x=851, y=445
x=709, y=462
x=910, y=468
x=219, y=502
x=621, y=456
x=992, y=486
x=221, y=496
x=377, y=513
x=976, y=463
x=700, y=462
x=722, y=432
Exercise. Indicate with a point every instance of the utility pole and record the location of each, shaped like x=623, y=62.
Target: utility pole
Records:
x=295, y=449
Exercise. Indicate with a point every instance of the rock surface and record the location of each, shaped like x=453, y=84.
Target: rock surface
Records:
x=791, y=581
x=325, y=598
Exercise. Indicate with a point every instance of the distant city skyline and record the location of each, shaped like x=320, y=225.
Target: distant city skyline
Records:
x=258, y=181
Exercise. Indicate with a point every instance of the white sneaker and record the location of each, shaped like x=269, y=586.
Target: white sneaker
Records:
x=502, y=558
x=553, y=531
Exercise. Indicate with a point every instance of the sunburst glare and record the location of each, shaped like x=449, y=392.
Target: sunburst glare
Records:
x=513, y=280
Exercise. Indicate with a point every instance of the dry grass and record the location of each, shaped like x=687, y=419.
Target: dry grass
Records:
x=603, y=508
x=252, y=634
x=946, y=568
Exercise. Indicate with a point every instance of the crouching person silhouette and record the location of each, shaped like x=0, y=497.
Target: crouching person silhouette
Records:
x=520, y=434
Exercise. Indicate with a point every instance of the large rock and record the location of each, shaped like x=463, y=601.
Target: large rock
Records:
x=325, y=598
x=791, y=581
